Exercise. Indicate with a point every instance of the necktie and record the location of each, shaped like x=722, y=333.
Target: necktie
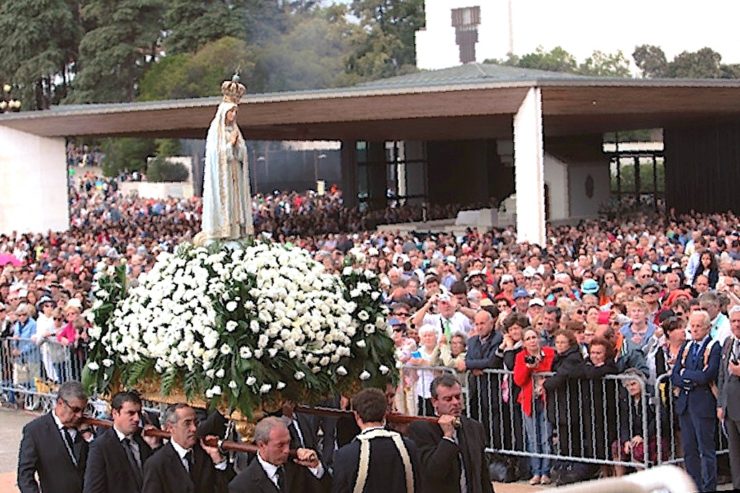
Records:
x=447, y=329
x=135, y=465
x=189, y=459
x=280, y=474
x=695, y=353
x=70, y=444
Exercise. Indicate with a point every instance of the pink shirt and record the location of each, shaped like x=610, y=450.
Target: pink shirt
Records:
x=68, y=332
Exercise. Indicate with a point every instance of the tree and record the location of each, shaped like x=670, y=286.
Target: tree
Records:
x=601, y=64
x=651, y=61
x=702, y=64
x=385, y=43
x=162, y=170
x=124, y=155
x=192, y=24
x=123, y=40
x=199, y=74
x=39, y=48
x=555, y=60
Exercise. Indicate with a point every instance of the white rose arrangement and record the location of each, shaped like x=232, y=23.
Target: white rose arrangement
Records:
x=239, y=326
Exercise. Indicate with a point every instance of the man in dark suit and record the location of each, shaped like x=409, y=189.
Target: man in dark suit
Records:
x=453, y=459
x=728, y=403
x=53, y=447
x=481, y=355
x=694, y=374
x=301, y=427
x=116, y=459
x=377, y=459
x=185, y=465
x=272, y=471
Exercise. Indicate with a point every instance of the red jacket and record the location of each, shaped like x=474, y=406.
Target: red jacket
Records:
x=523, y=375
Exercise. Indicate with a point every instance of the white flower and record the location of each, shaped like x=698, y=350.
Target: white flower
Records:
x=107, y=363
x=245, y=352
x=342, y=371
x=299, y=375
x=231, y=306
x=255, y=326
x=225, y=349
x=231, y=325
x=280, y=385
x=251, y=381
x=363, y=315
x=265, y=388
x=232, y=384
x=361, y=343
x=93, y=366
x=364, y=375
x=383, y=369
x=210, y=373
x=347, y=271
x=220, y=373
x=213, y=391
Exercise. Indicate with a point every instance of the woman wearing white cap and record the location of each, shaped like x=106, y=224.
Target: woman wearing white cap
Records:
x=45, y=336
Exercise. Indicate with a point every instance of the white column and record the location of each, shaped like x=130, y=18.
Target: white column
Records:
x=529, y=169
x=33, y=183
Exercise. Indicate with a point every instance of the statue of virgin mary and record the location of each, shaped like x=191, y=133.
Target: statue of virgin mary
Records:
x=227, y=205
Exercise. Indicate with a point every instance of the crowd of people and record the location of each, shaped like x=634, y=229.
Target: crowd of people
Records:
x=647, y=306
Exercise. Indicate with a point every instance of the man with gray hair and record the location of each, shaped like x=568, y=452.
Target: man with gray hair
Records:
x=186, y=464
x=728, y=404
x=272, y=470
x=695, y=376
x=53, y=447
x=719, y=327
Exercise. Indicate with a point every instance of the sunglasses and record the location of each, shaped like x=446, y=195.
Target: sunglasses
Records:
x=401, y=314
x=58, y=319
x=580, y=311
x=650, y=292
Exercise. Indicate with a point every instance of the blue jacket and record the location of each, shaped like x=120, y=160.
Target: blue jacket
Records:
x=694, y=377
x=480, y=356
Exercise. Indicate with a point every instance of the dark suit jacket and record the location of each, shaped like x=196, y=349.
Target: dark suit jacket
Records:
x=440, y=467
x=43, y=451
x=165, y=473
x=729, y=385
x=108, y=468
x=298, y=479
x=386, y=473
x=694, y=383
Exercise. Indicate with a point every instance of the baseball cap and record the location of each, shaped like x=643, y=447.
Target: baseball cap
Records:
x=472, y=274
x=507, y=278
x=536, y=302
x=520, y=293
x=590, y=286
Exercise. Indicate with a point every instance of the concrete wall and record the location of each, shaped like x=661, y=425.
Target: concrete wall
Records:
x=158, y=190
x=581, y=205
x=556, y=179
x=33, y=183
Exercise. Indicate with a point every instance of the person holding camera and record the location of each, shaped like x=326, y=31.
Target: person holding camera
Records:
x=528, y=363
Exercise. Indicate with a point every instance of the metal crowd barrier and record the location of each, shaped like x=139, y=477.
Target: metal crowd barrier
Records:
x=668, y=425
x=32, y=370
x=416, y=377
x=588, y=420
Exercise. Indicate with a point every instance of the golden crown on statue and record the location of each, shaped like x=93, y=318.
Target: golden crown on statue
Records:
x=233, y=90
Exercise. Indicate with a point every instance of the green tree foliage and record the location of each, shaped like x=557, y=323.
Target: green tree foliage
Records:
x=310, y=55
x=651, y=61
x=601, y=64
x=123, y=40
x=555, y=60
x=162, y=170
x=39, y=46
x=123, y=155
x=384, y=45
x=193, y=23
x=198, y=74
x=702, y=64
